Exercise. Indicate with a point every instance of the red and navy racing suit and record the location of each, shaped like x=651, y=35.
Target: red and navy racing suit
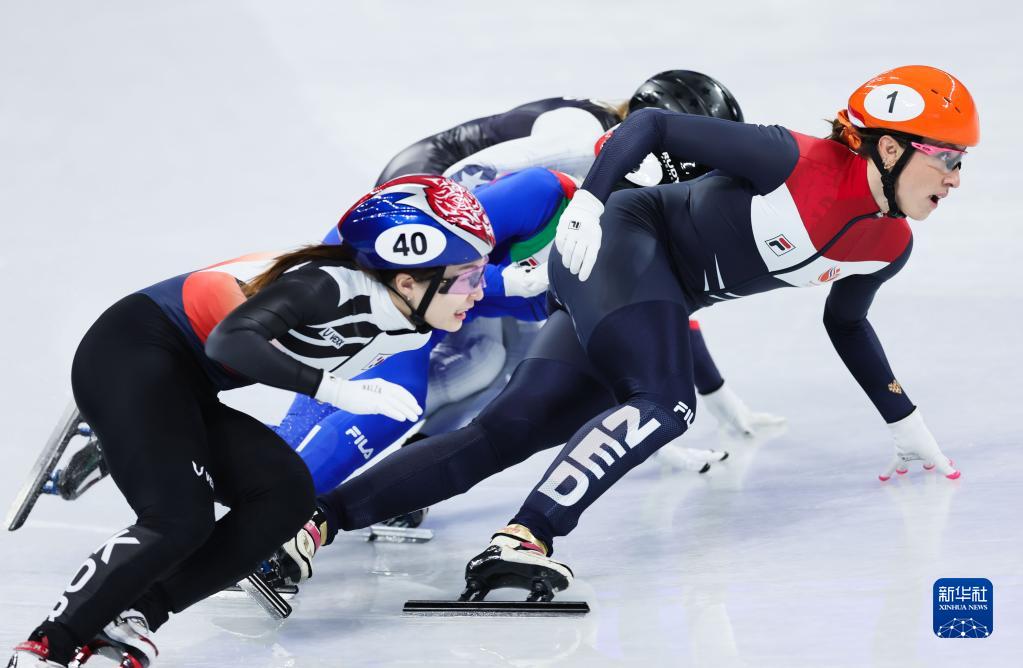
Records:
x=611, y=374
x=557, y=133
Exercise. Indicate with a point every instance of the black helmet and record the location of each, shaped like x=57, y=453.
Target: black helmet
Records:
x=688, y=92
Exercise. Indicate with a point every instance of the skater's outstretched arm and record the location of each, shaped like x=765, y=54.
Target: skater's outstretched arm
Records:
x=549, y=396
x=845, y=319
x=242, y=340
x=763, y=155
x=340, y=441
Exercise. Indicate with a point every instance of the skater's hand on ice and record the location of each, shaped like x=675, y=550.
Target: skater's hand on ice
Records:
x=732, y=413
x=578, y=235
x=914, y=441
x=524, y=281
x=753, y=422
x=372, y=395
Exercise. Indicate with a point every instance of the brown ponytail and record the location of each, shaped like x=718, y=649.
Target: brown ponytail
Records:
x=295, y=258
x=843, y=131
x=861, y=140
x=343, y=252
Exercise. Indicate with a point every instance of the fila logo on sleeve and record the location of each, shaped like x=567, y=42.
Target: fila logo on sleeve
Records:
x=779, y=244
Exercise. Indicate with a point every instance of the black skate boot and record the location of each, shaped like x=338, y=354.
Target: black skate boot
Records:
x=293, y=561
x=125, y=640
x=277, y=578
x=85, y=468
x=516, y=559
x=45, y=479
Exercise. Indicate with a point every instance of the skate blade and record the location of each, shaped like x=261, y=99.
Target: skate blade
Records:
x=389, y=534
x=41, y=470
x=265, y=596
x=496, y=608
x=287, y=592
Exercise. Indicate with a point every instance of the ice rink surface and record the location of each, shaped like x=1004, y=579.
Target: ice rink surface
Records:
x=143, y=140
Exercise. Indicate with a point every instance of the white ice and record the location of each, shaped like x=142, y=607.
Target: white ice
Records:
x=141, y=140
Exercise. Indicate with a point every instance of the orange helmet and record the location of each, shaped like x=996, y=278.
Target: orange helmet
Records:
x=917, y=100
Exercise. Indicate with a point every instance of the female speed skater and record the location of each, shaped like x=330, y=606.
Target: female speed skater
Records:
x=146, y=378
x=560, y=133
x=523, y=209
x=556, y=133
x=611, y=373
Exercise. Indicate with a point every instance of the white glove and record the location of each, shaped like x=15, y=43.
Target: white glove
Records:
x=732, y=413
x=524, y=281
x=913, y=441
x=372, y=395
x=578, y=235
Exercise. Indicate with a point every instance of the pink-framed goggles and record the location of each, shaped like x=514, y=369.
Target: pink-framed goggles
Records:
x=465, y=282
x=951, y=159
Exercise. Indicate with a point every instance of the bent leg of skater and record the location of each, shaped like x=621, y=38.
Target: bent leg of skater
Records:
x=632, y=318
x=706, y=376
x=137, y=388
x=270, y=495
x=651, y=373
x=550, y=394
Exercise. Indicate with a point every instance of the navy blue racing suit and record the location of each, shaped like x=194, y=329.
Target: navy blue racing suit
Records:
x=607, y=373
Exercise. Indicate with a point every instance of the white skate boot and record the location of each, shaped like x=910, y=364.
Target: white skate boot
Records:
x=293, y=561
x=126, y=640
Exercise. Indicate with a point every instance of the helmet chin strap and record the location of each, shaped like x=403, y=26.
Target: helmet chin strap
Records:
x=889, y=176
x=418, y=315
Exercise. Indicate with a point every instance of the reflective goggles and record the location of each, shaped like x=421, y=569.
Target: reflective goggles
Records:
x=949, y=159
x=465, y=283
